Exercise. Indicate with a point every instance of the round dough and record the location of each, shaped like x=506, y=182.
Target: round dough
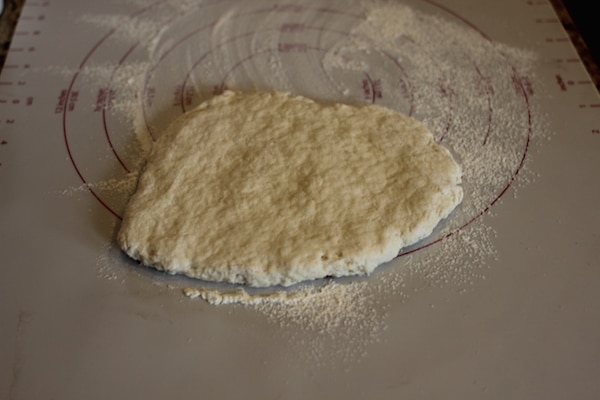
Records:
x=273, y=189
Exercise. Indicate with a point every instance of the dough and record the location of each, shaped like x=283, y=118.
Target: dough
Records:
x=271, y=189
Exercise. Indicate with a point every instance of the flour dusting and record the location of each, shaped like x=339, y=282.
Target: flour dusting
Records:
x=477, y=96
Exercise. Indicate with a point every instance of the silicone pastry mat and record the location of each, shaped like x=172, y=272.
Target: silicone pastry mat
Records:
x=501, y=302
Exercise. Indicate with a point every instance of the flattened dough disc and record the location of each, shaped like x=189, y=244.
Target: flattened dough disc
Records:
x=272, y=189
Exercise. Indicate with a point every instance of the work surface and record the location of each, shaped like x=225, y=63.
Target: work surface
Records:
x=500, y=303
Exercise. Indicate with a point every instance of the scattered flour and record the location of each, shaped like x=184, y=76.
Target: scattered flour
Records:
x=478, y=96
x=123, y=186
x=337, y=319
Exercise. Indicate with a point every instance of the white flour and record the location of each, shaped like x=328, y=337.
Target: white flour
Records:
x=477, y=96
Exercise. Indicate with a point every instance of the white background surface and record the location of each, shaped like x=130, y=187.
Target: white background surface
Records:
x=78, y=321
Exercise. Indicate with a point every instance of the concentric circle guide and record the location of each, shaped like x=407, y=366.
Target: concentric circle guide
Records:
x=313, y=50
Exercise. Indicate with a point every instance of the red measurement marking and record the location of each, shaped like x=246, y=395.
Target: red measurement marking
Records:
x=5, y=83
x=522, y=83
x=486, y=89
x=596, y=131
x=67, y=143
x=150, y=95
x=288, y=8
x=484, y=86
x=595, y=105
x=546, y=20
x=447, y=92
x=30, y=17
x=292, y=27
x=561, y=83
x=189, y=94
x=183, y=96
x=7, y=101
x=73, y=100
x=62, y=100
x=219, y=89
x=4, y=142
x=105, y=99
x=177, y=94
x=292, y=47
x=372, y=88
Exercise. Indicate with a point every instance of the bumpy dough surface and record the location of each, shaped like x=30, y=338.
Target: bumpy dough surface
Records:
x=271, y=189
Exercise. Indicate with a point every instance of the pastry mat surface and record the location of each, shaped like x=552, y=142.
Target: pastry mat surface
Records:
x=500, y=303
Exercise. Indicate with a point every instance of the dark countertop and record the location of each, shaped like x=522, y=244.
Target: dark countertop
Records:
x=8, y=20
x=575, y=15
